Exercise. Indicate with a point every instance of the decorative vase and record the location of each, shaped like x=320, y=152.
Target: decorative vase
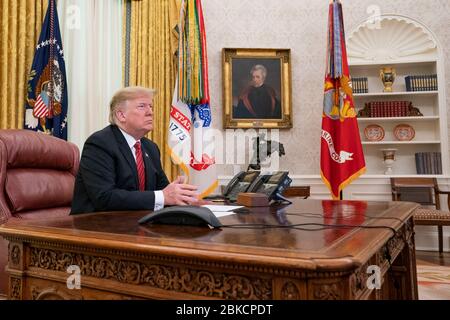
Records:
x=388, y=159
x=387, y=76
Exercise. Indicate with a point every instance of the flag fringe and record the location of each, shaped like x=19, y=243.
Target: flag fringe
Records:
x=177, y=161
x=209, y=190
x=344, y=183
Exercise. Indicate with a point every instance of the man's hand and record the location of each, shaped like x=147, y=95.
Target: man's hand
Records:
x=201, y=202
x=178, y=193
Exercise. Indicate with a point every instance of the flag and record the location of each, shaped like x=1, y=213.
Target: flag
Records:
x=341, y=156
x=191, y=143
x=46, y=105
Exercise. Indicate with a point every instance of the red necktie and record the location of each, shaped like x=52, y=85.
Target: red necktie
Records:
x=140, y=165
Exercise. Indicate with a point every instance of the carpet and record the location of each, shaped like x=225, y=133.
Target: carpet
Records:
x=433, y=282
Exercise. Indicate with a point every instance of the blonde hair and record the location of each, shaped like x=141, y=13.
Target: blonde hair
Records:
x=125, y=94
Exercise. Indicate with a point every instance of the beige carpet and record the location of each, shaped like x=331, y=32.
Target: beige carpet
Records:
x=433, y=282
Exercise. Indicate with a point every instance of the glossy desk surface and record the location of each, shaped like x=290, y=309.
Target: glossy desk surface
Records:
x=314, y=247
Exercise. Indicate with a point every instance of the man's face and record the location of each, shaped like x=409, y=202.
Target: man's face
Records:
x=257, y=78
x=136, y=116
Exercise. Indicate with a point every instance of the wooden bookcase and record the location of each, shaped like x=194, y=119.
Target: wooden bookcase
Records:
x=409, y=47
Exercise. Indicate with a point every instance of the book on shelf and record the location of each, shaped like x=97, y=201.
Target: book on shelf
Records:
x=360, y=85
x=377, y=109
x=427, y=82
x=428, y=162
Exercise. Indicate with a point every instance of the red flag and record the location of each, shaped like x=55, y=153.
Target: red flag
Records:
x=341, y=154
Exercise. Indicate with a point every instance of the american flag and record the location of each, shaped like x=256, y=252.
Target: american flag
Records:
x=190, y=113
x=46, y=105
x=40, y=108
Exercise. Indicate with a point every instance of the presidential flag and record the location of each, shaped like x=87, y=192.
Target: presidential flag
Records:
x=191, y=143
x=46, y=105
x=341, y=158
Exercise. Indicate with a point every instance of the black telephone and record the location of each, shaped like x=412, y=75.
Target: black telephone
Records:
x=272, y=185
x=239, y=183
x=183, y=215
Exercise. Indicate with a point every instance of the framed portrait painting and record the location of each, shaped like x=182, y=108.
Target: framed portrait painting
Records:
x=257, y=88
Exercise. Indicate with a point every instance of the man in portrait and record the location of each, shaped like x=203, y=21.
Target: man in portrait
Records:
x=258, y=100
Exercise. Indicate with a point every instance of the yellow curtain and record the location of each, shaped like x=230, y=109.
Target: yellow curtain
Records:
x=152, y=48
x=20, y=25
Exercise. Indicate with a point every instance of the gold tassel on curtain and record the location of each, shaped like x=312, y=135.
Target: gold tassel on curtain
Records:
x=20, y=25
x=151, y=63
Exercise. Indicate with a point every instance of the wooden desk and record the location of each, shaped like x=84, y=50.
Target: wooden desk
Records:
x=297, y=191
x=120, y=259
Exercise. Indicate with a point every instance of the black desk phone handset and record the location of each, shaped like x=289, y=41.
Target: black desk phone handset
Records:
x=251, y=181
x=272, y=185
x=239, y=183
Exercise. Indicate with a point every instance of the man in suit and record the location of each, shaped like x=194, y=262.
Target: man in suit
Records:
x=120, y=169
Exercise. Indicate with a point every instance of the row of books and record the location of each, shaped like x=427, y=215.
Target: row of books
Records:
x=386, y=109
x=426, y=82
x=359, y=85
x=428, y=163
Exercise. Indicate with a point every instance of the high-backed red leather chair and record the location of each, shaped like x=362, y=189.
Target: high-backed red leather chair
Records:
x=37, y=176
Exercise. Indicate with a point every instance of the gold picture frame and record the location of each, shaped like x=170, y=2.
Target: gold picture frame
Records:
x=257, y=88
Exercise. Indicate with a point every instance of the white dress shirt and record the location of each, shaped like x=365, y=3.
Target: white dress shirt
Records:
x=159, y=196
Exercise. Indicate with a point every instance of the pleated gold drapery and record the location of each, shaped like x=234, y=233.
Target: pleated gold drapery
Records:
x=151, y=63
x=20, y=25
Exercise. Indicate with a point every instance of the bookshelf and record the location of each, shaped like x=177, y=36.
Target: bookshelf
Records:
x=404, y=93
x=411, y=49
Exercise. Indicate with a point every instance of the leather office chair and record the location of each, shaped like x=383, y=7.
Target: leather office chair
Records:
x=426, y=192
x=37, y=176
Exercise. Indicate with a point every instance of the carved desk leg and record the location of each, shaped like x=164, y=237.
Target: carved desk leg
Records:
x=409, y=257
x=15, y=268
x=403, y=272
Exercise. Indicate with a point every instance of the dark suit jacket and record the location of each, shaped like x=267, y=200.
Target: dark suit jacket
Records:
x=108, y=180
